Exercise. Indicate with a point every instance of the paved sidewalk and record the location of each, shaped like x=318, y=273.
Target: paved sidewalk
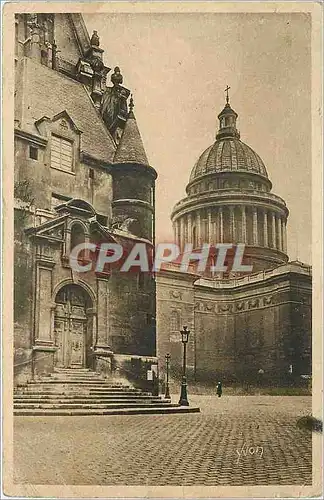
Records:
x=190, y=449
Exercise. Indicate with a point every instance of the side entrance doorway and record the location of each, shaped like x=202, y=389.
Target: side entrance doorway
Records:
x=73, y=327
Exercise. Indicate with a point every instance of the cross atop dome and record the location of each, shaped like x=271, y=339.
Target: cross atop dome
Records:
x=226, y=90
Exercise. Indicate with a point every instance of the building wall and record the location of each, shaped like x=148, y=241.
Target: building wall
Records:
x=261, y=325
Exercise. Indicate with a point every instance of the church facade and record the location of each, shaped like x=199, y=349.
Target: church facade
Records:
x=81, y=175
x=244, y=327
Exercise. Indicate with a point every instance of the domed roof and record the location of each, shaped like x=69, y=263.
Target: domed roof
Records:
x=228, y=154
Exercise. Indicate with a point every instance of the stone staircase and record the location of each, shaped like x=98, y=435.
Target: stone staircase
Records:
x=83, y=392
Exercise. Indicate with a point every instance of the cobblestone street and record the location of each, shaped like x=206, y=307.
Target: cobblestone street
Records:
x=189, y=449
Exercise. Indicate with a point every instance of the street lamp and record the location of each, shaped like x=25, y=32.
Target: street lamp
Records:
x=183, y=401
x=167, y=364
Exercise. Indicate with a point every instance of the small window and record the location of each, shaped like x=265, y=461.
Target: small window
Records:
x=175, y=321
x=33, y=153
x=61, y=153
x=91, y=173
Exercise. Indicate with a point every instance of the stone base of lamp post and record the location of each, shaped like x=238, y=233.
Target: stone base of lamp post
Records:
x=183, y=401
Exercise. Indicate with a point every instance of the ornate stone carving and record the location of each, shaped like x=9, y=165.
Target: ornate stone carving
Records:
x=95, y=39
x=116, y=78
x=175, y=294
x=225, y=307
x=240, y=305
x=253, y=303
x=268, y=300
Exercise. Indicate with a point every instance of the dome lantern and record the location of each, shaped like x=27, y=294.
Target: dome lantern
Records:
x=227, y=121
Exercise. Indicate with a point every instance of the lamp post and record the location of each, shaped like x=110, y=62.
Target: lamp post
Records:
x=167, y=364
x=183, y=401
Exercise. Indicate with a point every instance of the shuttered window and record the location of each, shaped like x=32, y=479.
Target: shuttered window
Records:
x=61, y=153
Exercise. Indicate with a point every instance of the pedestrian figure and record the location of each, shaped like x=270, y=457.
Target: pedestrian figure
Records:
x=219, y=389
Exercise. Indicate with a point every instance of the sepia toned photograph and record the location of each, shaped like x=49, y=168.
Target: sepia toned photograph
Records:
x=164, y=273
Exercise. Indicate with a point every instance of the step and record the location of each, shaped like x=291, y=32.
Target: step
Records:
x=75, y=381
x=84, y=392
x=78, y=397
x=91, y=406
x=121, y=411
x=51, y=387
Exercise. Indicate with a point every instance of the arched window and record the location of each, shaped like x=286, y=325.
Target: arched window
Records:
x=77, y=235
x=175, y=321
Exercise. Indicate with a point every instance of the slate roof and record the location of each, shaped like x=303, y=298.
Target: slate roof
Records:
x=130, y=148
x=48, y=92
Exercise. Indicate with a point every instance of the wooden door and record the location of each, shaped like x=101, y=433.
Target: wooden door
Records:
x=70, y=328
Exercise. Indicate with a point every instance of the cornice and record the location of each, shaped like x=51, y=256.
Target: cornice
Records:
x=33, y=138
x=219, y=199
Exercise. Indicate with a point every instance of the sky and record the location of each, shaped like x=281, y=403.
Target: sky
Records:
x=177, y=67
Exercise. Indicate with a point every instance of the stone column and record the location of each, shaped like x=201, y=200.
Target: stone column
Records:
x=198, y=228
x=189, y=225
x=232, y=223
x=273, y=228
x=221, y=226
x=255, y=226
x=244, y=234
x=185, y=229
x=279, y=233
x=182, y=235
x=176, y=232
x=265, y=228
x=210, y=228
x=284, y=236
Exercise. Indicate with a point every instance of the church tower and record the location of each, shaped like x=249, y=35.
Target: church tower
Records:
x=229, y=200
x=133, y=182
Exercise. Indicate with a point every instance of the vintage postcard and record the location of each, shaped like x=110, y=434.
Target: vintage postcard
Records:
x=162, y=249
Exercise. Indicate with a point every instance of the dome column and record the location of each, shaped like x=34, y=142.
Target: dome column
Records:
x=221, y=225
x=265, y=228
x=284, y=236
x=189, y=226
x=279, y=233
x=176, y=231
x=182, y=234
x=232, y=223
x=273, y=230
x=244, y=234
x=255, y=226
x=198, y=225
x=210, y=229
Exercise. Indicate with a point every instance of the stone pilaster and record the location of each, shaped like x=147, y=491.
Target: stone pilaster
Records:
x=103, y=332
x=265, y=228
x=43, y=309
